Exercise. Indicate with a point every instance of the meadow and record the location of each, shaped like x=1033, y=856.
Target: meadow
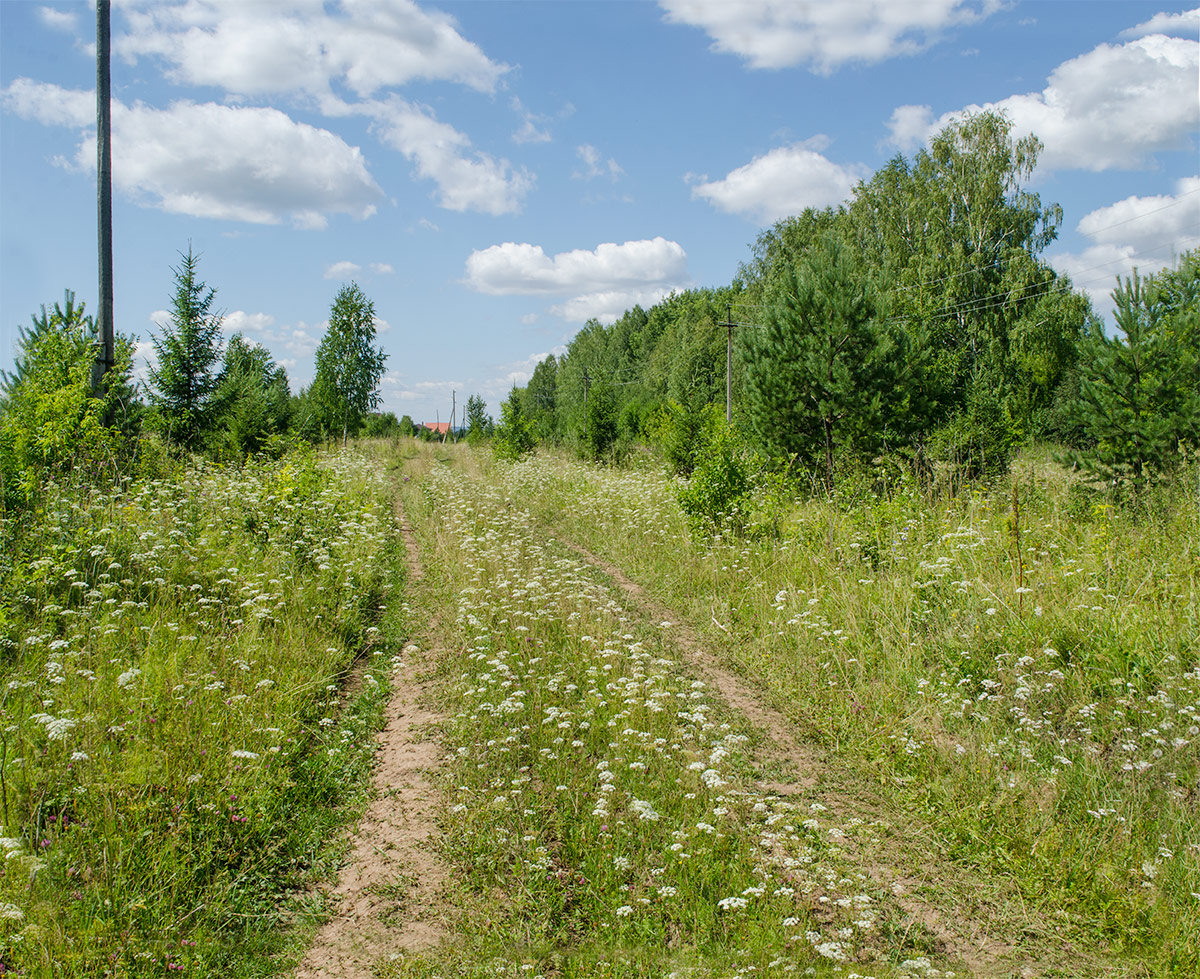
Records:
x=179, y=742
x=1000, y=689
x=992, y=697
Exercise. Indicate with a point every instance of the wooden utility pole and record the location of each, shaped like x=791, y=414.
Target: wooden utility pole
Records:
x=585, y=387
x=729, y=324
x=106, y=355
x=453, y=408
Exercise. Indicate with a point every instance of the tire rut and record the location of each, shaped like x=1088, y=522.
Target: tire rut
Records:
x=390, y=888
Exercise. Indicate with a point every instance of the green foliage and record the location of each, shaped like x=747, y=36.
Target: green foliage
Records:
x=348, y=365
x=479, y=423
x=53, y=426
x=819, y=372
x=384, y=425
x=949, y=339
x=252, y=405
x=183, y=380
x=181, y=640
x=515, y=433
x=717, y=495
x=407, y=427
x=954, y=237
x=600, y=420
x=678, y=433
x=1139, y=393
x=541, y=399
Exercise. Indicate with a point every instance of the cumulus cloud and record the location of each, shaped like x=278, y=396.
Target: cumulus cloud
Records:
x=467, y=180
x=382, y=268
x=264, y=48
x=1146, y=233
x=242, y=322
x=1110, y=108
x=824, y=36
x=1186, y=23
x=217, y=161
x=57, y=20
x=610, y=305
x=342, y=270
x=782, y=182
x=601, y=283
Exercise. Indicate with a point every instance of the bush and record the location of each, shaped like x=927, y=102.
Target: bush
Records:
x=717, y=496
x=514, y=435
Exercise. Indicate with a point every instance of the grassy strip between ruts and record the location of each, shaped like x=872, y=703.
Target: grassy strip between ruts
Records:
x=178, y=747
x=602, y=815
x=1017, y=667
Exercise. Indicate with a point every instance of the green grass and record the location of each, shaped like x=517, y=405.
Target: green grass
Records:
x=1003, y=697
x=1025, y=680
x=178, y=750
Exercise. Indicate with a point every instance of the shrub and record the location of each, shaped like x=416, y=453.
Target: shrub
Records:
x=717, y=496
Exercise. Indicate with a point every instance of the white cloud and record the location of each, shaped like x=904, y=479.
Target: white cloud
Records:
x=601, y=283
x=1186, y=23
x=522, y=269
x=609, y=306
x=216, y=161
x=242, y=322
x=308, y=46
x=466, y=180
x=1108, y=109
x=533, y=126
x=145, y=358
x=382, y=268
x=342, y=270
x=594, y=167
x=824, y=36
x=57, y=20
x=50, y=105
x=782, y=182
x=1146, y=233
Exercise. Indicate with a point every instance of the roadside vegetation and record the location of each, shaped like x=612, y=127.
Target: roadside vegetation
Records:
x=179, y=746
x=950, y=537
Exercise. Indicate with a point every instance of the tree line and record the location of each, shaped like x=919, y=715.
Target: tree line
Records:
x=917, y=322
x=225, y=398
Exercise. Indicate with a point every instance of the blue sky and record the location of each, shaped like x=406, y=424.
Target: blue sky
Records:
x=492, y=174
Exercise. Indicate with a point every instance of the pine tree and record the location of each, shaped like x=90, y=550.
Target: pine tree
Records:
x=1139, y=393
x=817, y=372
x=188, y=348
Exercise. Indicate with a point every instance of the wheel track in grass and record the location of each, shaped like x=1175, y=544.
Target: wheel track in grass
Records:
x=391, y=853
x=969, y=937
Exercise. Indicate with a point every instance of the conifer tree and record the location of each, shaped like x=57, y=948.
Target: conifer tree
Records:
x=188, y=349
x=819, y=371
x=1139, y=393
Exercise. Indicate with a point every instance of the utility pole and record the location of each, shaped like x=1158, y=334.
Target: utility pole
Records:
x=106, y=355
x=729, y=324
x=586, y=379
x=453, y=407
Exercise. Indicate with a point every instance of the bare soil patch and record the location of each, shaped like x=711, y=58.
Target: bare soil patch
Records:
x=389, y=892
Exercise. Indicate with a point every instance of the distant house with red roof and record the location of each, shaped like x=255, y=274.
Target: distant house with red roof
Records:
x=438, y=428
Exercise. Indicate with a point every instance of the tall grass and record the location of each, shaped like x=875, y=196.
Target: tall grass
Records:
x=176, y=745
x=603, y=817
x=1018, y=665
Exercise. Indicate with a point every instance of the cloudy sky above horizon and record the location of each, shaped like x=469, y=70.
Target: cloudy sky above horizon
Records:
x=495, y=174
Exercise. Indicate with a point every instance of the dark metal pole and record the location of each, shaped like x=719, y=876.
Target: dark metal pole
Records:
x=107, y=354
